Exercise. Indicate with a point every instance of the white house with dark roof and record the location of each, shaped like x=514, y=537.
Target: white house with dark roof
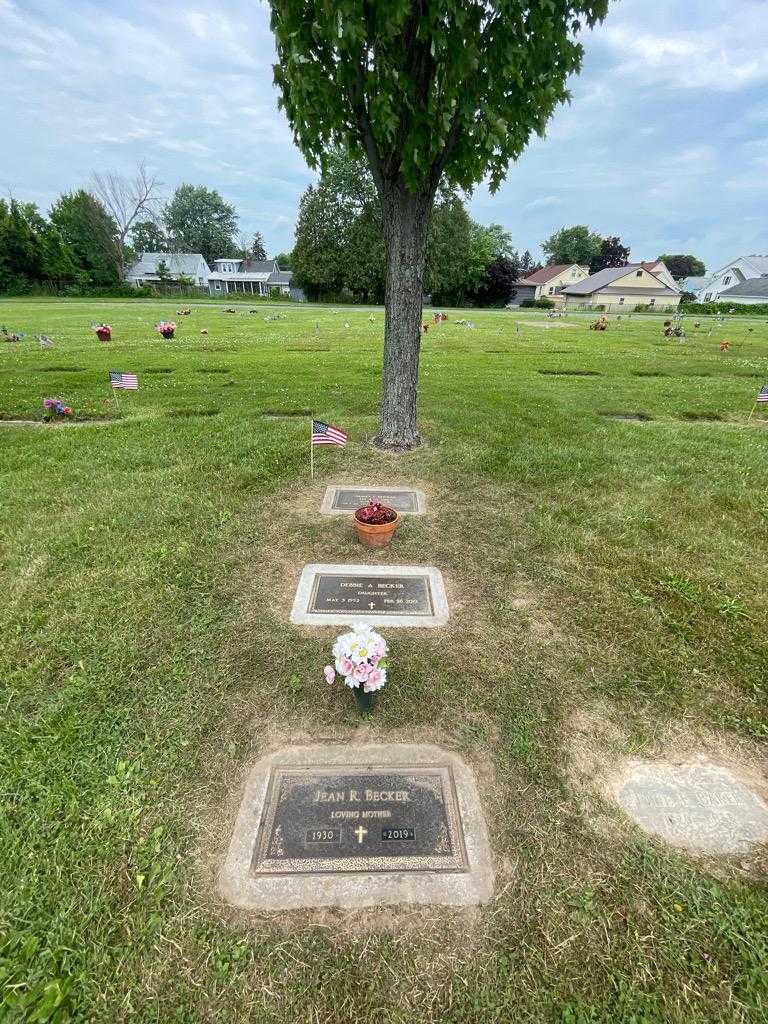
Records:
x=753, y=292
x=618, y=289
x=252, y=277
x=180, y=265
x=745, y=268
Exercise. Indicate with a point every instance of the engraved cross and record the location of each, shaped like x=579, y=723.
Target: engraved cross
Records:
x=360, y=832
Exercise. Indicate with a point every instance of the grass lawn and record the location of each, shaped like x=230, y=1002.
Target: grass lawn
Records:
x=607, y=586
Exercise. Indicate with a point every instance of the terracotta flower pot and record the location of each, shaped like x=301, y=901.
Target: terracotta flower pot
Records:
x=375, y=535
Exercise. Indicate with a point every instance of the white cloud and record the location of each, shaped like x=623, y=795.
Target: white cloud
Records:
x=663, y=144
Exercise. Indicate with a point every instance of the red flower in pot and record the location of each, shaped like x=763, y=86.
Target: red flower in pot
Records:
x=103, y=331
x=375, y=523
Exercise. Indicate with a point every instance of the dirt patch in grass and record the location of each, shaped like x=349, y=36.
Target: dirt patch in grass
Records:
x=158, y=369
x=547, y=326
x=55, y=424
x=570, y=373
x=286, y=414
x=632, y=417
x=189, y=413
x=708, y=417
x=649, y=373
x=63, y=369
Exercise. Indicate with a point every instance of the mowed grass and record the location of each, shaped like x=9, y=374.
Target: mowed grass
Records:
x=607, y=586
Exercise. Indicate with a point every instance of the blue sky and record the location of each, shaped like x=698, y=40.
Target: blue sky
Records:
x=665, y=142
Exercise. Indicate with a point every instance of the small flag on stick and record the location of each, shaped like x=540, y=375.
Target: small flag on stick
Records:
x=126, y=381
x=323, y=433
x=761, y=397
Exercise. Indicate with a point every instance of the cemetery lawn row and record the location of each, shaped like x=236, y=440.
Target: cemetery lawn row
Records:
x=606, y=583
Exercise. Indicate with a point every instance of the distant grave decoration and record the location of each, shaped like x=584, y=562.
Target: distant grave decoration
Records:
x=12, y=336
x=183, y=312
x=45, y=341
x=55, y=408
x=166, y=328
x=360, y=660
x=599, y=325
x=725, y=346
x=673, y=330
x=103, y=331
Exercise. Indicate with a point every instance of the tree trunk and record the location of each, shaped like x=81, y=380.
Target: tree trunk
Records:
x=406, y=218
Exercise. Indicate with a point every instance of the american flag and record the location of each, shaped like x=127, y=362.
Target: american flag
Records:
x=763, y=396
x=127, y=381
x=324, y=433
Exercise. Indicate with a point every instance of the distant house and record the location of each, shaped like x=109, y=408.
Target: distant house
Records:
x=179, y=265
x=745, y=268
x=624, y=288
x=253, y=277
x=660, y=269
x=548, y=283
x=747, y=293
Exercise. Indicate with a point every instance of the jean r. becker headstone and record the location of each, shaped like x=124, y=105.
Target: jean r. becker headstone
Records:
x=358, y=826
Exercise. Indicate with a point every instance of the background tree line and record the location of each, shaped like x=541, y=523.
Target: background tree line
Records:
x=340, y=253
x=90, y=237
x=578, y=244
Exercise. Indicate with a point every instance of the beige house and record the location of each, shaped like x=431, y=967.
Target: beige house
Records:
x=548, y=283
x=625, y=288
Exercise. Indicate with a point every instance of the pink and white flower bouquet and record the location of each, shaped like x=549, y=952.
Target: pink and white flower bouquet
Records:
x=166, y=328
x=360, y=658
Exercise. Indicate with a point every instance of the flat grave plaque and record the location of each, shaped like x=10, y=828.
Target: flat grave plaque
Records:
x=699, y=806
x=356, y=826
x=404, y=595
x=321, y=819
x=344, y=500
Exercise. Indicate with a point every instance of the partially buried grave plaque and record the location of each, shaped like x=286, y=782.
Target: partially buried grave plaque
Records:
x=340, y=500
x=358, y=826
x=395, y=595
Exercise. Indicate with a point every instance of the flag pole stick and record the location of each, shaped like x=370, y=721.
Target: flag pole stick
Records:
x=114, y=395
x=752, y=413
x=311, y=452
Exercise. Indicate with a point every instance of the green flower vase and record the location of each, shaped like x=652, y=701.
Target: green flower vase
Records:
x=365, y=701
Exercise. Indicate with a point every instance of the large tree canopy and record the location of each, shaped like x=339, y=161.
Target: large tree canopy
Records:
x=611, y=254
x=573, y=245
x=90, y=232
x=197, y=219
x=681, y=266
x=427, y=90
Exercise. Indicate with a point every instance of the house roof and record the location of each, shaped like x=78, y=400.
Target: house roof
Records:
x=177, y=263
x=758, y=261
x=604, y=278
x=753, y=286
x=547, y=273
